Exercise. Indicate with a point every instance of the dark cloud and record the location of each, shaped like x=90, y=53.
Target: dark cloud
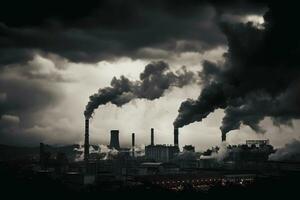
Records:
x=22, y=100
x=26, y=96
x=153, y=83
x=259, y=78
x=99, y=30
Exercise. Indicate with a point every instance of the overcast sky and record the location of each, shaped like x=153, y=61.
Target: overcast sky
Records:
x=204, y=66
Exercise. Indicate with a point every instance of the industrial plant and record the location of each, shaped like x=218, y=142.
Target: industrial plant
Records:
x=162, y=166
x=156, y=167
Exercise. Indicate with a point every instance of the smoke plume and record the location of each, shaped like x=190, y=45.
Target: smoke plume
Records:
x=103, y=151
x=154, y=81
x=218, y=153
x=259, y=78
x=290, y=152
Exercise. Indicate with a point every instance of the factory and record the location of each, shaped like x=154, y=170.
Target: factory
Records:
x=162, y=165
x=162, y=153
x=155, y=152
x=252, y=150
x=167, y=159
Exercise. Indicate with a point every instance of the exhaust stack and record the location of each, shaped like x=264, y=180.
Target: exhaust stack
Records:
x=86, y=141
x=223, y=137
x=176, y=133
x=132, y=143
x=152, y=136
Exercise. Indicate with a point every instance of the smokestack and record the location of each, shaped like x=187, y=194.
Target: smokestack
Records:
x=114, y=139
x=42, y=155
x=86, y=141
x=132, y=140
x=223, y=137
x=132, y=143
x=152, y=136
x=176, y=133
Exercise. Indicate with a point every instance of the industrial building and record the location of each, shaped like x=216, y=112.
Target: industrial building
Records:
x=160, y=160
x=257, y=143
x=253, y=150
x=162, y=153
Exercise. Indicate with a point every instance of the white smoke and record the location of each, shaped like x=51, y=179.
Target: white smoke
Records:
x=109, y=153
x=219, y=154
x=102, y=150
x=139, y=150
x=79, y=153
x=290, y=152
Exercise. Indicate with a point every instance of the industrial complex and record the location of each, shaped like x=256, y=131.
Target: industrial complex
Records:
x=164, y=166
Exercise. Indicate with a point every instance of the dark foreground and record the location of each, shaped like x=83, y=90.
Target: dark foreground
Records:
x=23, y=184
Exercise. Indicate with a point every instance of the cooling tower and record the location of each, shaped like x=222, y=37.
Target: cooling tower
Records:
x=114, y=139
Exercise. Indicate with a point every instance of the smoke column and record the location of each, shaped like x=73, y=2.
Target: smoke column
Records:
x=154, y=81
x=259, y=78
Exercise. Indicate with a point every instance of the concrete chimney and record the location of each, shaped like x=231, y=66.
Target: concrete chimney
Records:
x=152, y=136
x=114, y=139
x=176, y=133
x=132, y=140
x=132, y=143
x=223, y=137
x=86, y=141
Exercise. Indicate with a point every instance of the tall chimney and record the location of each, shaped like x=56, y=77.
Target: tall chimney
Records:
x=176, y=133
x=42, y=155
x=152, y=136
x=223, y=137
x=86, y=141
x=132, y=143
x=114, y=139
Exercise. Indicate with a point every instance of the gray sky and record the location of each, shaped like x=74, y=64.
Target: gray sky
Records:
x=49, y=68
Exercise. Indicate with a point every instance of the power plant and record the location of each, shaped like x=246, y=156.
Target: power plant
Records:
x=162, y=152
x=115, y=144
x=161, y=165
x=156, y=152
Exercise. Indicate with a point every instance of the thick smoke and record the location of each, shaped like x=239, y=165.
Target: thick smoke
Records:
x=154, y=81
x=259, y=78
x=290, y=152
